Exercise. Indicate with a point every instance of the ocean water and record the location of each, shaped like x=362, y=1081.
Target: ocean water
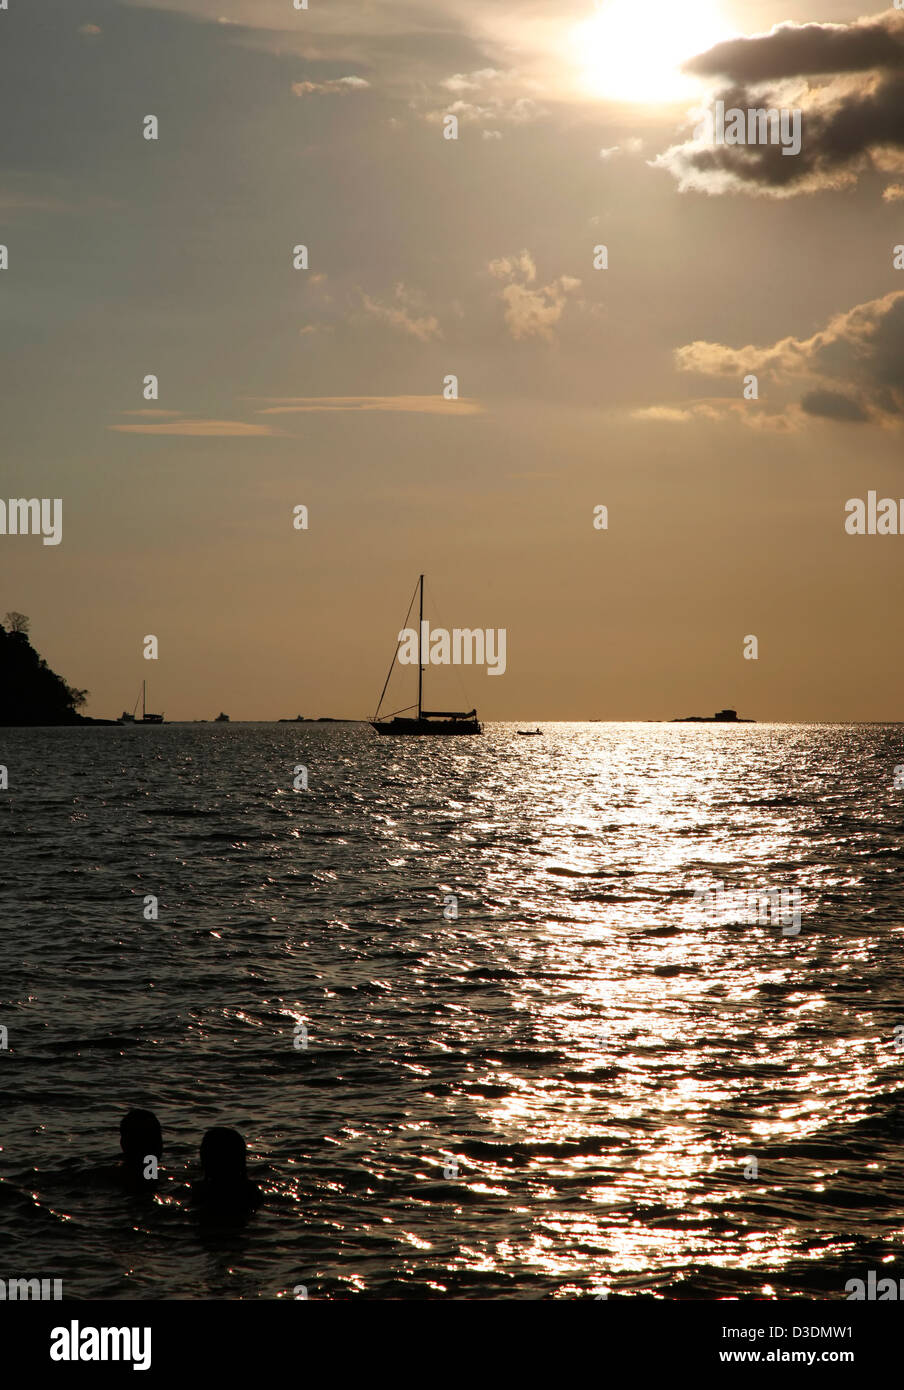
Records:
x=577, y=1084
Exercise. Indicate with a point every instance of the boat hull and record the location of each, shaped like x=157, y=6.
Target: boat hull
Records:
x=427, y=726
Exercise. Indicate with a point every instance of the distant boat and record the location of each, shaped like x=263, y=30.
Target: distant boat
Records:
x=529, y=733
x=425, y=721
x=126, y=718
x=222, y=718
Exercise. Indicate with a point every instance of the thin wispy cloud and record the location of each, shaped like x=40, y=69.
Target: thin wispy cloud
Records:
x=634, y=145
x=757, y=415
x=403, y=315
x=331, y=86
x=197, y=429
x=514, y=111
x=669, y=413
x=421, y=405
x=470, y=82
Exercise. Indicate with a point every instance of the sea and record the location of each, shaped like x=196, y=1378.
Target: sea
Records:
x=465, y=1001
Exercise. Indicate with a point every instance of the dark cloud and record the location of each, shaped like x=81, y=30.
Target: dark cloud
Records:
x=850, y=122
x=831, y=405
x=851, y=369
x=803, y=50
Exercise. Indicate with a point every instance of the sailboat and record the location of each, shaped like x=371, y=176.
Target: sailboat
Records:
x=146, y=718
x=425, y=721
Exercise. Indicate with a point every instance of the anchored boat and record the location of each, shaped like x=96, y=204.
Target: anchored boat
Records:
x=126, y=718
x=425, y=721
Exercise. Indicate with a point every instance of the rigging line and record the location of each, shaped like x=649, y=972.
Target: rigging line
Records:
x=395, y=654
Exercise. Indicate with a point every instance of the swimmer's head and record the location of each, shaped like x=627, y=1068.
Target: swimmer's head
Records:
x=140, y=1136
x=223, y=1156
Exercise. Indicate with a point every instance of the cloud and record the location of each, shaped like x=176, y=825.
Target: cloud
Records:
x=470, y=82
x=851, y=368
x=832, y=405
x=529, y=312
x=534, y=313
x=632, y=146
x=332, y=85
x=397, y=315
x=420, y=405
x=673, y=414
x=754, y=414
x=847, y=80
x=489, y=96
x=519, y=111
x=210, y=429
x=792, y=50
x=507, y=266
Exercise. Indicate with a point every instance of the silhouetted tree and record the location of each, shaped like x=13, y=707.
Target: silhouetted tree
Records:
x=30, y=693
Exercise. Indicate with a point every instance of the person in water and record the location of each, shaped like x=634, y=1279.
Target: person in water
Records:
x=141, y=1141
x=226, y=1189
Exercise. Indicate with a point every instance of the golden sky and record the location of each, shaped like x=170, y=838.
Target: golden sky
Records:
x=474, y=257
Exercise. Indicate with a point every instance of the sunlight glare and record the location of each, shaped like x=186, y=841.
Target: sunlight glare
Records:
x=633, y=52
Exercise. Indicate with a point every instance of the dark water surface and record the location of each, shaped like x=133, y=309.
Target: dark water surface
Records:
x=600, y=1063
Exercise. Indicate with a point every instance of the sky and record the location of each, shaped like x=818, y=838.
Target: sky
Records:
x=579, y=387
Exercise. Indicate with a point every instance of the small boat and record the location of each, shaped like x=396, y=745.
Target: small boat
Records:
x=425, y=721
x=222, y=718
x=530, y=733
x=126, y=718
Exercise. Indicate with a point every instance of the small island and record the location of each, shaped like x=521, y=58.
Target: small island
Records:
x=30, y=693
x=722, y=716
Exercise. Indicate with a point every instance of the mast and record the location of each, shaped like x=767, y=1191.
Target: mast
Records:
x=144, y=706
x=420, y=634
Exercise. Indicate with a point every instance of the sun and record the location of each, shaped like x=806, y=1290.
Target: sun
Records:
x=633, y=51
